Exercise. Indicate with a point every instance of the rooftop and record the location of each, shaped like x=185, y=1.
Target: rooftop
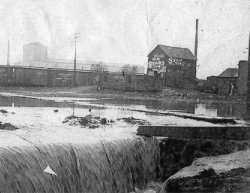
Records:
x=229, y=73
x=177, y=52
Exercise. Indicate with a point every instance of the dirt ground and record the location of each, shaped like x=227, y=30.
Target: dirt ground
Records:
x=92, y=91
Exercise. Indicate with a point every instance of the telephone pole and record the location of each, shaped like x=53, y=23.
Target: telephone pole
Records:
x=74, y=77
x=8, y=54
x=196, y=38
x=8, y=63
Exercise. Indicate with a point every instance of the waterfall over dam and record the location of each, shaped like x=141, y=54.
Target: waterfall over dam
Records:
x=108, y=167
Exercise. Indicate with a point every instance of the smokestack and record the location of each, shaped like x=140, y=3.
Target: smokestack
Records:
x=8, y=54
x=248, y=82
x=196, y=38
x=248, y=79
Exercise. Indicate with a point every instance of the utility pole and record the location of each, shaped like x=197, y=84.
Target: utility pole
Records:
x=196, y=39
x=74, y=77
x=8, y=54
x=8, y=63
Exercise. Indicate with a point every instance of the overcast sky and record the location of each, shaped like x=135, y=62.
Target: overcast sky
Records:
x=126, y=31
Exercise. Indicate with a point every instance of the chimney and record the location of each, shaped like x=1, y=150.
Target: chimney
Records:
x=248, y=83
x=196, y=38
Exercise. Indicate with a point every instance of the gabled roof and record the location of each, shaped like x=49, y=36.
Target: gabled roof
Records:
x=229, y=73
x=176, y=52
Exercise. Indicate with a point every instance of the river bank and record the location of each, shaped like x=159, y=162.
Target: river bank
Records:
x=92, y=91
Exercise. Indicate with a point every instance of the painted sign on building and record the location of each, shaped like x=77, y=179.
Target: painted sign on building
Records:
x=156, y=64
x=176, y=61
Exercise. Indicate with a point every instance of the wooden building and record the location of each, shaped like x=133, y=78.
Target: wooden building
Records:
x=176, y=66
x=228, y=82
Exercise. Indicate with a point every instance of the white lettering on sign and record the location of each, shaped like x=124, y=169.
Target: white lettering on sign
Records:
x=175, y=61
x=157, y=65
x=158, y=56
x=156, y=59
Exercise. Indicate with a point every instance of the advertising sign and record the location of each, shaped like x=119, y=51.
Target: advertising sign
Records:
x=156, y=64
x=175, y=61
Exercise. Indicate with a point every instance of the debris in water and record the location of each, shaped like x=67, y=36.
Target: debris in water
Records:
x=87, y=121
x=7, y=126
x=103, y=121
x=49, y=171
x=134, y=121
x=3, y=111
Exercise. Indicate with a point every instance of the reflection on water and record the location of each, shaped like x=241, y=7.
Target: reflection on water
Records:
x=222, y=109
x=202, y=109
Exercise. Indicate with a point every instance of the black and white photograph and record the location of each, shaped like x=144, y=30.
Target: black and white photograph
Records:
x=124, y=96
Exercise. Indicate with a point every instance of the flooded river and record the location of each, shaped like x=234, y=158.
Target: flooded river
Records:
x=106, y=159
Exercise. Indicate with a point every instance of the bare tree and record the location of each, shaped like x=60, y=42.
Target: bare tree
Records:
x=129, y=69
x=99, y=70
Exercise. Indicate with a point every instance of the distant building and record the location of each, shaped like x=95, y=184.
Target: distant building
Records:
x=242, y=79
x=34, y=52
x=228, y=82
x=212, y=84
x=177, y=66
x=35, y=55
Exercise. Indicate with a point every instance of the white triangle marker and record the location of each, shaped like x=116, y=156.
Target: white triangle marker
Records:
x=49, y=170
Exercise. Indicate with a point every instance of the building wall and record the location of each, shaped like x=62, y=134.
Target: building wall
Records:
x=242, y=79
x=131, y=82
x=212, y=84
x=34, y=52
x=27, y=76
x=176, y=72
x=225, y=86
x=4, y=76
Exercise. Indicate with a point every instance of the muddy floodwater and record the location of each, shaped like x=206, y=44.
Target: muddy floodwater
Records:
x=47, y=145
x=41, y=119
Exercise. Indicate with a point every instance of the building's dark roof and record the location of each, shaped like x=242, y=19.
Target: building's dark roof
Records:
x=229, y=73
x=175, y=52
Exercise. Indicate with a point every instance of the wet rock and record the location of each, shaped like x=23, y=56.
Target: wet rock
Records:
x=90, y=121
x=134, y=121
x=227, y=173
x=236, y=180
x=176, y=154
x=7, y=126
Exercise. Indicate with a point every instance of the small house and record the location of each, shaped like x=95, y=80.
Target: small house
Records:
x=228, y=82
x=175, y=65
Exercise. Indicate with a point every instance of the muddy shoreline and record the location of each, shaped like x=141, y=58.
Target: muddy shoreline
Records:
x=91, y=91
